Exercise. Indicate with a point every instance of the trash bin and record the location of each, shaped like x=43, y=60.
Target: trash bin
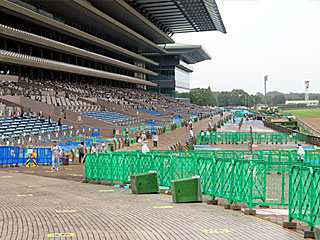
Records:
x=65, y=159
x=145, y=183
x=186, y=190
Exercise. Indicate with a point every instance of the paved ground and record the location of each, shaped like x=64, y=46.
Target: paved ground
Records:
x=256, y=127
x=115, y=213
x=29, y=205
x=178, y=135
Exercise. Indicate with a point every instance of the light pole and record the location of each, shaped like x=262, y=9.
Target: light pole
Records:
x=265, y=90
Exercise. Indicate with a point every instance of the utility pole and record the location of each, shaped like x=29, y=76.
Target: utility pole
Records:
x=265, y=90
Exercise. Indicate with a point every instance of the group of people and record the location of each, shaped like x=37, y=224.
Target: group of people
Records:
x=82, y=151
x=143, y=139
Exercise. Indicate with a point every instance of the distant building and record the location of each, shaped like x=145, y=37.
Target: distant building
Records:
x=308, y=103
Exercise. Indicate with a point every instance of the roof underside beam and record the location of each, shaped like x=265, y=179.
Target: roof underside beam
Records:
x=199, y=15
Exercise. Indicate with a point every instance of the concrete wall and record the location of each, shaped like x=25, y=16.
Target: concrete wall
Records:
x=9, y=78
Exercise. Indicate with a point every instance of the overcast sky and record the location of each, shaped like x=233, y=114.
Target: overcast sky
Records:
x=278, y=38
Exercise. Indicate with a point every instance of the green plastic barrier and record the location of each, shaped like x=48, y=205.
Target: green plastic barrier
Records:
x=259, y=178
x=243, y=137
x=304, y=196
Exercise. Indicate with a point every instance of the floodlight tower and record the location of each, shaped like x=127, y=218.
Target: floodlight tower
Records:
x=265, y=90
x=306, y=83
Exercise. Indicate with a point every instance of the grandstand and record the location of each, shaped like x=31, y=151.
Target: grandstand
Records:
x=92, y=72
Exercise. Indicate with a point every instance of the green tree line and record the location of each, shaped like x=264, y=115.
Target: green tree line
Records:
x=238, y=97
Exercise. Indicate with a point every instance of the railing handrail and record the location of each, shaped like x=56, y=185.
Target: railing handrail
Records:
x=312, y=128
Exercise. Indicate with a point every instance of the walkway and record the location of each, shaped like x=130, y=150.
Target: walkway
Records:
x=33, y=207
x=178, y=135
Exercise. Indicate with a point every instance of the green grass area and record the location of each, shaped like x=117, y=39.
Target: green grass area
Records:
x=306, y=113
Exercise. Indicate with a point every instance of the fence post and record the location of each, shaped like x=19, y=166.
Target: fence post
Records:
x=173, y=165
x=313, y=199
x=111, y=167
x=290, y=192
x=283, y=184
x=251, y=185
x=233, y=162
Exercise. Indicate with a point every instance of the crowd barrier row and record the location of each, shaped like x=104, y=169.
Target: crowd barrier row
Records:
x=244, y=137
x=253, y=182
x=16, y=155
x=291, y=156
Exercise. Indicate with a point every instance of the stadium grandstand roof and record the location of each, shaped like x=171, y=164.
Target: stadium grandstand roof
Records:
x=190, y=54
x=181, y=16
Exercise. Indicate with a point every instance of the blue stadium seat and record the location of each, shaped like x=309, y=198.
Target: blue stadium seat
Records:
x=110, y=117
x=151, y=112
x=16, y=127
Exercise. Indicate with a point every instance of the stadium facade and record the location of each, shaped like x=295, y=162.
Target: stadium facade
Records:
x=174, y=68
x=104, y=42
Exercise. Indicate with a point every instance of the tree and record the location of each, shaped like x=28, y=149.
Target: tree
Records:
x=224, y=99
x=278, y=99
x=182, y=95
x=239, y=97
x=202, y=97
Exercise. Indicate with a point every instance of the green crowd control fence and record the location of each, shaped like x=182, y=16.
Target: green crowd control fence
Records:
x=267, y=178
x=264, y=182
x=243, y=137
x=304, y=196
x=311, y=156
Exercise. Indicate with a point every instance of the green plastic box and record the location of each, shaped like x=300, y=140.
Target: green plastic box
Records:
x=186, y=190
x=145, y=183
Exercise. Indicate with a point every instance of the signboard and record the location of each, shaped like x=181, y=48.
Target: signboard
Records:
x=95, y=132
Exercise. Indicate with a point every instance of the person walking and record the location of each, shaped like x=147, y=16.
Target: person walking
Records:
x=94, y=149
x=201, y=136
x=155, y=139
x=81, y=150
x=143, y=137
x=191, y=132
x=145, y=148
x=103, y=148
x=301, y=153
x=56, y=152
x=59, y=123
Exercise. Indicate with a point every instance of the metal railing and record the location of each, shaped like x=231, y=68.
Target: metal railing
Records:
x=243, y=137
x=304, y=196
x=307, y=127
x=266, y=177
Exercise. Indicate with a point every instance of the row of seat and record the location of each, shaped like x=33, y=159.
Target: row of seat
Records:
x=151, y=112
x=71, y=104
x=110, y=117
x=18, y=127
